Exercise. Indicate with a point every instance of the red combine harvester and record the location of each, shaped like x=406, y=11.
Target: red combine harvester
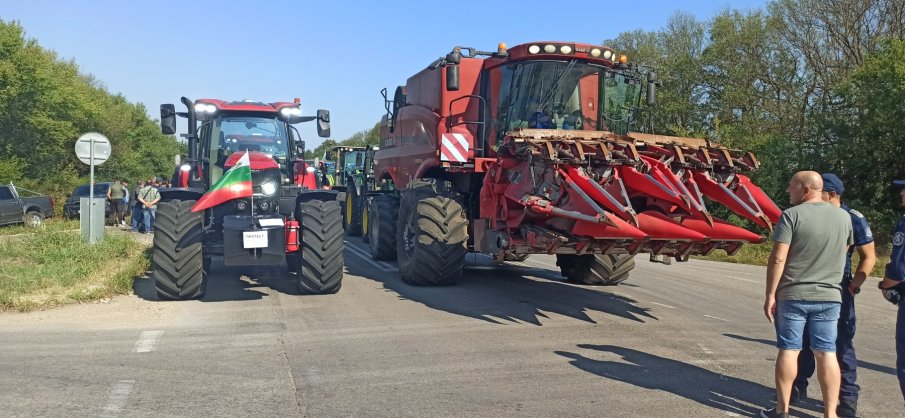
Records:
x=287, y=219
x=530, y=151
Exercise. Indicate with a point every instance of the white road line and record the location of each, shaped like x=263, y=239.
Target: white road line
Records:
x=716, y=317
x=380, y=265
x=875, y=351
x=743, y=280
x=119, y=394
x=146, y=341
x=665, y=306
x=705, y=349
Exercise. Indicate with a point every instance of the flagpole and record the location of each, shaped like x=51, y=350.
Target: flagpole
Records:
x=252, y=193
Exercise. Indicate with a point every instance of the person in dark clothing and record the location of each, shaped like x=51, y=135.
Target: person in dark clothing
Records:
x=893, y=287
x=136, y=207
x=851, y=286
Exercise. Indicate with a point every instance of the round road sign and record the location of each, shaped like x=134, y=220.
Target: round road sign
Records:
x=85, y=143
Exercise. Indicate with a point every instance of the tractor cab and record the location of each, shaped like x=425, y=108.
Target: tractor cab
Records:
x=344, y=166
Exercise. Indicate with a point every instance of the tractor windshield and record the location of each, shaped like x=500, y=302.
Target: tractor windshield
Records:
x=240, y=133
x=566, y=95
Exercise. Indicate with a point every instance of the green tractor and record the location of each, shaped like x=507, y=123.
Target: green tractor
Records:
x=346, y=175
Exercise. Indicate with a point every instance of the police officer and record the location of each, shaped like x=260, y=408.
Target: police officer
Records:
x=851, y=285
x=893, y=287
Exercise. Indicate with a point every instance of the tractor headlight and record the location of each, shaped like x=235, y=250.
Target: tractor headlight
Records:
x=268, y=188
x=291, y=112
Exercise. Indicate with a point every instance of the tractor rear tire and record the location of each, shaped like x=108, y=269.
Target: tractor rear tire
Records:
x=180, y=270
x=382, y=227
x=320, y=262
x=352, y=218
x=431, y=235
x=596, y=269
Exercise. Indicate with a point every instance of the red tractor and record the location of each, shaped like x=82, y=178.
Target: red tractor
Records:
x=287, y=219
x=531, y=150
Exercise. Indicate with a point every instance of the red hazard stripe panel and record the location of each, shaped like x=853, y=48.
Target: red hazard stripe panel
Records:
x=454, y=147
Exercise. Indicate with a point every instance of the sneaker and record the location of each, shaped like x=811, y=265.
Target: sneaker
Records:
x=771, y=413
x=847, y=408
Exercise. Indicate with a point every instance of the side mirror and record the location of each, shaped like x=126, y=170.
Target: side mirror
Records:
x=168, y=119
x=452, y=77
x=323, y=123
x=651, y=88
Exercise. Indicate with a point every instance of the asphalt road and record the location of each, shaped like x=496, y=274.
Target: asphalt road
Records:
x=688, y=339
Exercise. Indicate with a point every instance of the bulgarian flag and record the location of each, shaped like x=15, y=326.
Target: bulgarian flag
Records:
x=234, y=184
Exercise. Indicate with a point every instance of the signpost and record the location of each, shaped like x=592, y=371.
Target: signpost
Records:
x=93, y=149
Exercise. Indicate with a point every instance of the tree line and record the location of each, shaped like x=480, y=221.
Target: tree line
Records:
x=46, y=104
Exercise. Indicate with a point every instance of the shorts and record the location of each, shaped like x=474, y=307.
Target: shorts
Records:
x=821, y=318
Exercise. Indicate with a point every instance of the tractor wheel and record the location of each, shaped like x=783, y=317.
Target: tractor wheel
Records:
x=352, y=220
x=320, y=263
x=382, y=227
x=180, y=270
x=431, y=235
x=366, y=207
x=33, y=219
x=595, y=269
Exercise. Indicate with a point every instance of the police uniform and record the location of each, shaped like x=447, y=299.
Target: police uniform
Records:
x=845, y=351
x=895, y=270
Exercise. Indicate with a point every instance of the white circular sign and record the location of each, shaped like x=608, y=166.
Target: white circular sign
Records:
x=86, y=142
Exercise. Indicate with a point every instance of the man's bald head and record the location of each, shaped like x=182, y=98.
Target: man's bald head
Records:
x=805, y=186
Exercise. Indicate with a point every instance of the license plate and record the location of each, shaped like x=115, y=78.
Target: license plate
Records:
x=254, y=239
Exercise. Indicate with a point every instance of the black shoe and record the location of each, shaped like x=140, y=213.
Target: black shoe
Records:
x=771, y=413
x=798, y=395
x=847, y=408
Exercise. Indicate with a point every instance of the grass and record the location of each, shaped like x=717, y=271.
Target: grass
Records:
x=52, y=267
x=757, y=254
x=56, y=224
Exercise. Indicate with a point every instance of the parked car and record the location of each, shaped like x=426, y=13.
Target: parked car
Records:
x=71, y=207
x=31, y=211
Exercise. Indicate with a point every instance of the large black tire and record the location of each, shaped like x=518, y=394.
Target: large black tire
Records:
x=352, y=215
x=320, y=263
x=595, y=269
x=382, y=227
x=180, y=271
x=432, y=234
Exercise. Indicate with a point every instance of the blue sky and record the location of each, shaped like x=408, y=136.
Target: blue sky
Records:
x=333, y=55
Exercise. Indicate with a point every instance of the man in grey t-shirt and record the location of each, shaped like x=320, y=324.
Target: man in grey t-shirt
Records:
x=804, y=275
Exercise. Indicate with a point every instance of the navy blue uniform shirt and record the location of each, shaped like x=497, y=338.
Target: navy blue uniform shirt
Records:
x=861, y=232
x=896, y=268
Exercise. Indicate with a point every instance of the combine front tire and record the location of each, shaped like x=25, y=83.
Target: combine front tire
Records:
x=320, y=260
x=180, y=268
x=431, y=235
x=382, y=227
x=595, y=269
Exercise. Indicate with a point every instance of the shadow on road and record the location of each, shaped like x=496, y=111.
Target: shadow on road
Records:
x=506, y=294
x=703, y=386
x=231, y=283
x=861, y=363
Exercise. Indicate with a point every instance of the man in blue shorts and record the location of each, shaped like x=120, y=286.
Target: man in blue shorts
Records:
x=851, y=286
x=804, y=273
x=893, y=287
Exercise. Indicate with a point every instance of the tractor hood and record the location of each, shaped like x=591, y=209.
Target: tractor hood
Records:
x=259, y=160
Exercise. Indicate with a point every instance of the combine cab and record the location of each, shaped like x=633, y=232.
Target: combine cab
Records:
x=530, y=150
x=288, y=218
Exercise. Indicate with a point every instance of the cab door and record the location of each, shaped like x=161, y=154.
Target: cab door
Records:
x=10, y=209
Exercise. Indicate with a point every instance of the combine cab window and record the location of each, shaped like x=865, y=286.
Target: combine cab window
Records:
x=564, y=95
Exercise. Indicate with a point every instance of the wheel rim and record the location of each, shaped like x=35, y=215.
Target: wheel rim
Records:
x=34, y=220
x=348, y=209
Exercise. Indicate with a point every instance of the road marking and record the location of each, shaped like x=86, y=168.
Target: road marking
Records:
x=366, y=257
x=875, y=351
x=705, y=349
x=146, y=341
x=665, y=306
x=743, y=280
x=716, y=317
x=119, y=394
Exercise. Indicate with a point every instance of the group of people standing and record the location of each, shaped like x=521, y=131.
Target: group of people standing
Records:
x=811, y=289
x=142, y=200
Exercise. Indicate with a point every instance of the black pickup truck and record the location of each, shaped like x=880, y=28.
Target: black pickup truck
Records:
x=15, y=209
x=73, y=201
